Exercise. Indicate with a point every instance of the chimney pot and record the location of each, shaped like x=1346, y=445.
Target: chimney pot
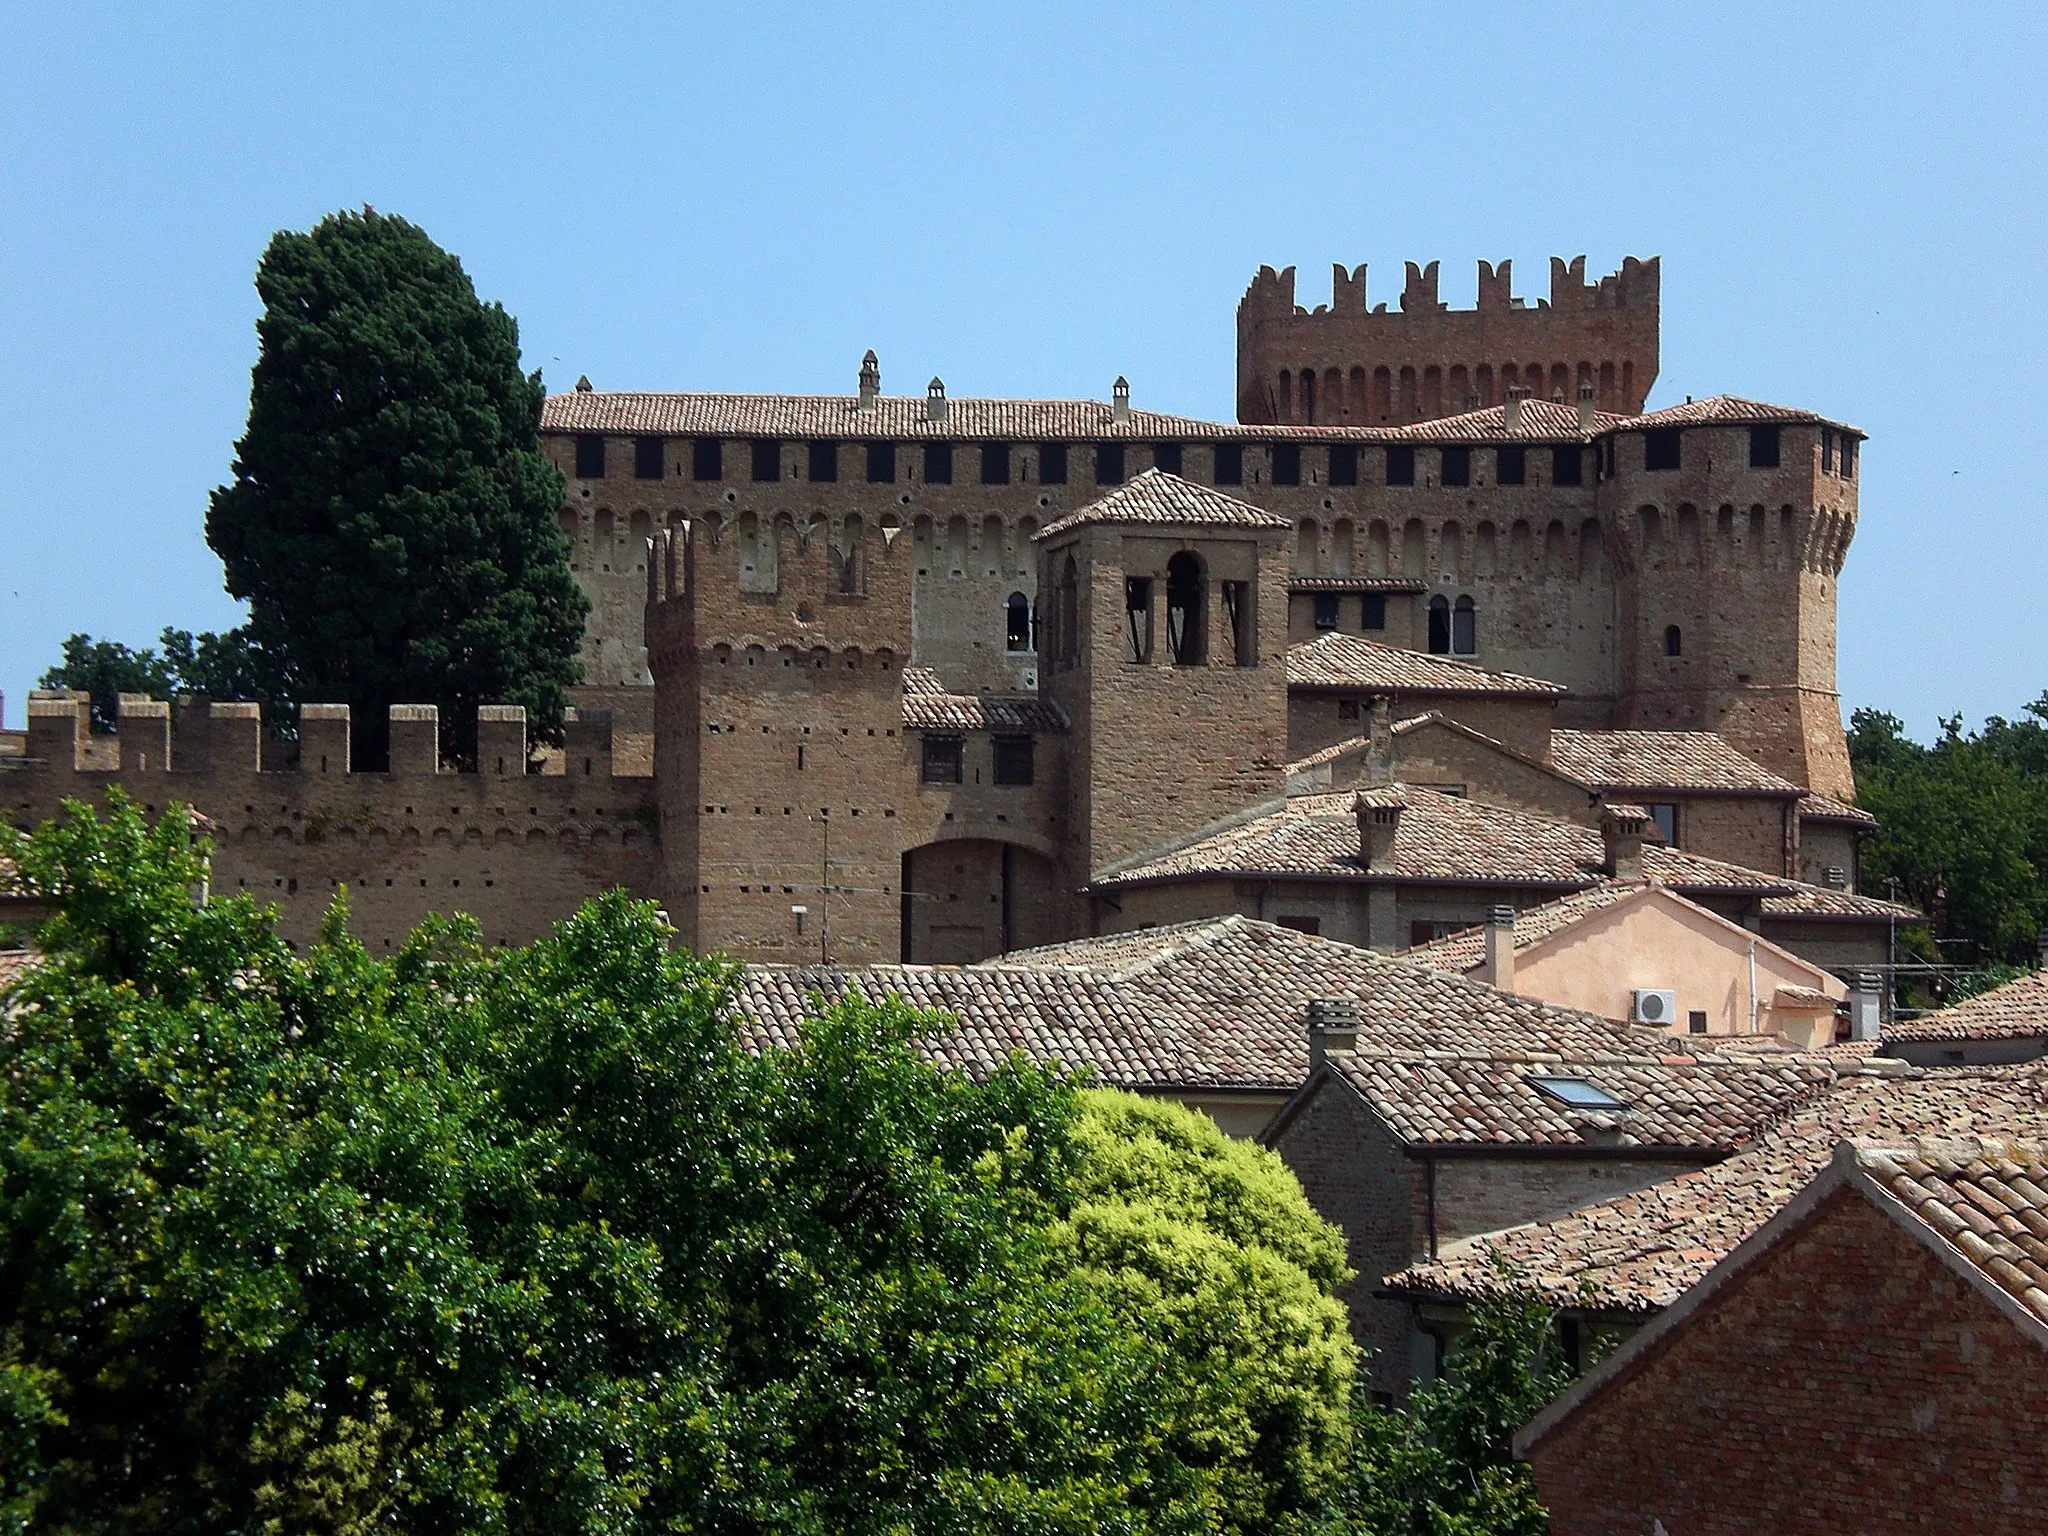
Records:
x=870, y=380
x=1587, y=413
x=1866, y=1005
x=583, y=386
x=1120, y=399
x=1500, y=948
x=1621, y=836
x=1332, y=1028
x=1511, y=411
x=1379, y=823
x=935, y=400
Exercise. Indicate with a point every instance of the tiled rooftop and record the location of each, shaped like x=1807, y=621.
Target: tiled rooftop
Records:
x=1466, y=948
x=1819, y=807
x=1987, y=1197
x=927, y=706
x=2016, y=1011
x=1724, y=410
x=1639, y=1252
x=1539, y=421
x=1349, y=661
x=1157, y=497
x=1694, y=760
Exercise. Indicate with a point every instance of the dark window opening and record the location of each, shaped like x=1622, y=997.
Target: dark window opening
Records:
x=1673, y=641
x=1608, y=473
x=1566, y=466
x=1457, y=466
x=1660, y=448
x=1511, y=466
x=1312, y=926
x=1069, y=600
x=938, y=463
x=1109, y=463
x=1439, y=626
x=1427, y=931
x=767, y=458
x=1237, y=612
x=881, y=463
x=648, y=458
x=1166, y=457
x=1848, y=457
x=1185, y=621
x=1373, y=611
x=1344, y=465
x=1137, y=618
x=707, y=458
x=1326, y=610
x=995, y=463
x=589, y=458
x=1401, y=466
x=1763, y=447
x=1347, y=709
x=1464, y=628
x=1017, y=623
x=1230, y=464
x=825, y=461
x=943, y=759
x=1287, y=463
x=1014, y=759
x=1666, y=818
x=1052, y=463
x=1827, y=452
x=1696, y=1021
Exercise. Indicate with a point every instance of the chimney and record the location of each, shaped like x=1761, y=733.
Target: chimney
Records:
x=1866, y=1005
x=935, y=400
x=1332, y=1028
x=1379, y=822
x=1500, y=948
x=1511, y=412
x=870, y=381
x=1379, y=747
x=1120, y=399
x=1587, y=413
x=1621, y=834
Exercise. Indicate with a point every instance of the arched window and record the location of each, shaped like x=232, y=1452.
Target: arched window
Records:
x=1017, y=625
x=1185, y=621
x=1465, y=628
x=1439, y=626
x=1673, y=642
x=1070, y=599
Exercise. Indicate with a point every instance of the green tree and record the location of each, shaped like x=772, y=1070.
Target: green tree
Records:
x=215, y=666
x=534, y=1240
x=107, y=669
x=391, y=521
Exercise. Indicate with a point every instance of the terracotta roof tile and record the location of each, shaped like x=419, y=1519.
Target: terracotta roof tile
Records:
x=1986, y=1197
x=1819, y=807
x=1463, y=950
x=927, y=706
x=1681, y=760
x=1730, y=410
x=2016, y=1011
x=1539, y=420
x=1349, y=661
x=1157, y=497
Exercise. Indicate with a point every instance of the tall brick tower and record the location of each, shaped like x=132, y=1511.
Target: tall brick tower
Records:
x=1164, y=640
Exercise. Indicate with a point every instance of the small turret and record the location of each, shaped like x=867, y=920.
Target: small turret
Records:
x=1120, y=399
x=870, y=380
x=935, y=399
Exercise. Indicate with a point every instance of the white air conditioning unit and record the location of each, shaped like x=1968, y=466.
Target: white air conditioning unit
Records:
x=1652, y=1005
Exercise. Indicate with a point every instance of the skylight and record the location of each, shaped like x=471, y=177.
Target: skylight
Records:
x=1578, y=1093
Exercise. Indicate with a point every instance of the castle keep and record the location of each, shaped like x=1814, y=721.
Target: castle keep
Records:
x=877, y=677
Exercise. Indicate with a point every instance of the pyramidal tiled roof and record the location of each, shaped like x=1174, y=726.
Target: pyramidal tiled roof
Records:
x=1157, y=497
x=1338, y=660
x=1662, y=760
x=2016, y=1011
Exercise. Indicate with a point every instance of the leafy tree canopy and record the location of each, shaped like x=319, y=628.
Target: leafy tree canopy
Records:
x=391, y=521
x=217, y=666
x=531, y=1240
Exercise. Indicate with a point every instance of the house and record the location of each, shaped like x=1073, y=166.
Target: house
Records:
x=1873, y=1358
x=2008, y=1023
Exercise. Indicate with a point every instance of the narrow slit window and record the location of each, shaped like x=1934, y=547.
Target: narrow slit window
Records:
x=1674, y=642
x=1237, y=613
x=1137, y=618
x=1439, y=626
x=1017, y=623
x=1185, y=621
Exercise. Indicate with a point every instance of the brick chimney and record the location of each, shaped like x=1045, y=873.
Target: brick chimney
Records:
x=1587, y=413
x=1379, y=822
x=1500, y=948
x=1120, y=399
x=1332, y=1028
x=870, y=380
x=935, y=399
x=1621, y=837
x=1511, y=411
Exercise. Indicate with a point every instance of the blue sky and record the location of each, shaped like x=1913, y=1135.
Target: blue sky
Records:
x=1032, y=200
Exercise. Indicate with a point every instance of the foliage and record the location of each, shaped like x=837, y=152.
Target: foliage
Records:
x=531, y=1240
x=391, y=521
x=1441, y=1465
x=1962, y=827
x=215, y=666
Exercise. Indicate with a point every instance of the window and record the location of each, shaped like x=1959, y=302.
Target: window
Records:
x=995, y=463
x=1674, y=642
x=881, y=463
x=1069, y=612
x=1166, y=457
x=1017, y=623
x=1237, y=613
x=1401, y=466
x=824, y=461
x=1013, y=759
x=1696, y=1021
x=1372, y=611
x=938, y=463
x=1464, y=628
x=1344, y=465
x=1565, y=466
x=1511, y=466
x=1439, y=626
x=1666, y=818
x=1230, y=464
x=1109, y=463
x=1185, y=620
x=1660, y=448
x=1312, y=926
x=1138, y=618
x=1579, y=1093
x=1347, y=709
x=1457, y=466
x=1427, y=931
x=648, y=459
x=1326, y=610
x=590, y=458
x=1848, y=457
x=1763, y=447
x=943, y=757
x=767, y=458
x=1287, y=464
x=1052, y=463
x=707, y=458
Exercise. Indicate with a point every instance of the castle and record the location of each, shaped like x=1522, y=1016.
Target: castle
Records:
x=877, y=677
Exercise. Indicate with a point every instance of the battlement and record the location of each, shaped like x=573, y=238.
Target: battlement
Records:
x=1635, y=284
